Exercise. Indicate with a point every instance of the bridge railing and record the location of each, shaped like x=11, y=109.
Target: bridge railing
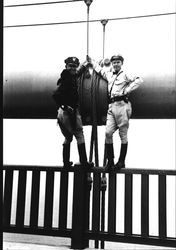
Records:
x=16, y=223
x=110, y=231
x=84, y=218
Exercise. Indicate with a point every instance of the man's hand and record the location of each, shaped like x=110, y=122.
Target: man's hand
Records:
x=70, y=109
x=125, y=92
x=88, y=62
x=88, y=58
x=85, y=63
x=67, y=108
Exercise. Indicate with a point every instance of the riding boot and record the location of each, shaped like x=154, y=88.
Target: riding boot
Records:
x=66, y=156
x=83, y=156
x=110, y=156
x=121, y=162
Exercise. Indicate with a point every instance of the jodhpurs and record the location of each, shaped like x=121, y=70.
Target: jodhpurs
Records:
x=67, y=129
x=118, y=117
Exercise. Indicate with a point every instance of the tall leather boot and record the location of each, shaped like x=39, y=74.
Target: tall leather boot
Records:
x=121, y=162
x=66, y=156
x=110, y=156
x=83, y=156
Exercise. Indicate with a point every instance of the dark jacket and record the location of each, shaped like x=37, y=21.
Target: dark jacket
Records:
x=67, y=90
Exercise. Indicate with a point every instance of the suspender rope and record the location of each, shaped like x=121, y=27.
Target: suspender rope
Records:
x=94, y=137
x=103, y=177
x=104, y=22
x=88, y=3
x=94, y=142
x=87, y=30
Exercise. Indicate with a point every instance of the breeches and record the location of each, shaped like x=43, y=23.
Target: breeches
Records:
x=118, y=118
x=67, y=129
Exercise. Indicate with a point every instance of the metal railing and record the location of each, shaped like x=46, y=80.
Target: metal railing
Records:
x=89, y=202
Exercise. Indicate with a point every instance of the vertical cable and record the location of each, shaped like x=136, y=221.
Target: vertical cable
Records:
x=88, y=3
x=87, y=31
x=104, y=22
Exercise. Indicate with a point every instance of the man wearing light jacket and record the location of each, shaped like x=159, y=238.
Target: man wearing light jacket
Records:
x=120, y=85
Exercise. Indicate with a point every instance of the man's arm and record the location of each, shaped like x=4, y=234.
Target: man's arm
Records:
x=100, y=70
x=81, y=70
x=133, y=83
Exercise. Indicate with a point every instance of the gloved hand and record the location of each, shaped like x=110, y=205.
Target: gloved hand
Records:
x=89, y=59
x=85, y=63
x=107, y=62
x=125, y=92
x=67, y=108
x=104, y=62
x=70, y=109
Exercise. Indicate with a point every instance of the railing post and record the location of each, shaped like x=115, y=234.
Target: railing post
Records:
x=63, y=204
x=7, y=197
x=162, y=207
x=21, y=198
x=145, y=205
x=128, y=204
x=79, y=216
x=35, y=192
x=112, y=203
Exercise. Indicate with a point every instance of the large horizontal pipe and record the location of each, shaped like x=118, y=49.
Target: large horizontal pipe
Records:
x=30, y=96
x=31, y=56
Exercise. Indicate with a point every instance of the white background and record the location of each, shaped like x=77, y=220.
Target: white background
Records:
x=148, y=46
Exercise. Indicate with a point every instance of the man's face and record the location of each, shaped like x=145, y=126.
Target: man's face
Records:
x=117, y=64
x=72, y=68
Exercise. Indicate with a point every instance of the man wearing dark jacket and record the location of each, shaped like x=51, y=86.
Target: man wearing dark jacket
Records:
x=69, y=119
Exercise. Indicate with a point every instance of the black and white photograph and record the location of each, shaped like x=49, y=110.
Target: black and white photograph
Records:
x=89, y=125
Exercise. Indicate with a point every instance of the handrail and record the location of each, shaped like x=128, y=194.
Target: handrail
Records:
x=94, y=170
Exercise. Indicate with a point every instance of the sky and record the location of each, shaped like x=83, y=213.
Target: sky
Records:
x=142, y=42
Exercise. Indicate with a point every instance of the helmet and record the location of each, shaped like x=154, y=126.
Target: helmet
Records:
x=72, y=60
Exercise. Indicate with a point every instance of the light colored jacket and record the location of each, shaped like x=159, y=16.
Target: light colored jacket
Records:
x=119, y=84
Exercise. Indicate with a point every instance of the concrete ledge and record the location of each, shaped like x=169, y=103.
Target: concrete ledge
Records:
x=36, y=242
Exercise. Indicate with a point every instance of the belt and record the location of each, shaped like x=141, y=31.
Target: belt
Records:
x=118, y=99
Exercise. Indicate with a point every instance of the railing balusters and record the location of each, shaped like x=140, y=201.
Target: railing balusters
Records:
x=96, y=205
x=144, y=205
x=63, y=200
x=128, y=204
x=35, y=198
x=48, y=213
x=21, y=198
x=87, y=201
x=162, y=206
x=7, y=197
x=80, y=233
x=112, y=203
x=103, y=200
